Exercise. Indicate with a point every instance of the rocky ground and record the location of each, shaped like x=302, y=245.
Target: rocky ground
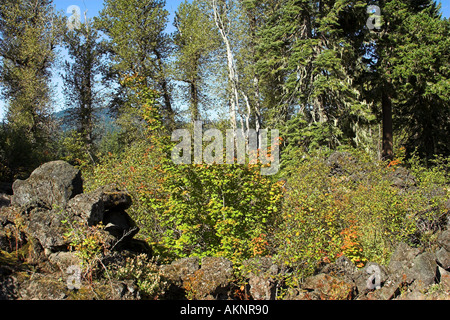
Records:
x=35, y=260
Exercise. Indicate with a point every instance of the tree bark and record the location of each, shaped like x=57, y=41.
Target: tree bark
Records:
x=387, y=139
x=164, y=85
x=233, y=77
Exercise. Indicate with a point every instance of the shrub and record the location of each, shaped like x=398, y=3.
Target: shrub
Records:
x=145, y=273
x=353, y=208
x=135, y=171
x=311, y=220
x=223, y=210
x=185, y=210
x=89, y=243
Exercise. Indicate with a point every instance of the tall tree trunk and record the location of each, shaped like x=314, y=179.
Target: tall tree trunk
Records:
x=388, y=140
x=194, y=89
x=232, y=75
x=163, y=83
x=194, y=100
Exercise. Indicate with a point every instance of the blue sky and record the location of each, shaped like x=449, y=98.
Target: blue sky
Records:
x=94, y=6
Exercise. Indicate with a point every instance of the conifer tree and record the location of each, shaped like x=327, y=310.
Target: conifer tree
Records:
x=409, y=75
x=308, y=61
x=29, y=34
x=139, y=44
x=81, y=80
x=195, y=41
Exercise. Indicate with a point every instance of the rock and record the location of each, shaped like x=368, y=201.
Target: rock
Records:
x=212, y=281
x=261, y=274
x=412, y=295
x=120, y=225
x=42, y=287
x=444, y=279
x=444, y=240
x=402, y=178
x=179, y=270
x=176, y=274
x=8, y=287
x=408, y=265
x=424, y=270
x=329, y=287
x=89, y=206
x=137, y=246
x=443, y=258
x=53, y=183
x=7, y=231
x=114, y=198
x=46, y=226
x=107, y=205
x=343, y=266
x=297, y=294
x=402, y=259
x=64, y=260
x=5, y=200
x=371, y=277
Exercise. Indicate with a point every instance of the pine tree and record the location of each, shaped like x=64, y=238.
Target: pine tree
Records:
x=139, y=44
x=308, y=60
x=195, y=41
x=409, y=75
x=29, y=34
x=81, y=80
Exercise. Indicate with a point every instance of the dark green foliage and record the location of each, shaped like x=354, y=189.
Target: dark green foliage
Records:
x=81, y=80
x=195, y=41
x=29, y=34
x=408, y=75
x=139, y=46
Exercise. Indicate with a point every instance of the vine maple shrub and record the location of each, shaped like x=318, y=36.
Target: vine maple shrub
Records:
x=199, y=209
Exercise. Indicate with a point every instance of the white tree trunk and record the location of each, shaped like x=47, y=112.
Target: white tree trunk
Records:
x=232, y=74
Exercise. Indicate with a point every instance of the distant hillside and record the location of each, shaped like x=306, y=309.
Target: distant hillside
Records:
x=104, y=121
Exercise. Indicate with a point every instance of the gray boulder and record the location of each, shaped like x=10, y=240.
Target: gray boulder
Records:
x=372, y=276
x=213, y=280
x=443, y=258
x=53, y=183
x=106, y=205
x=47, y=227
x=88, y=206
x=179, y=270
x=176, y=273
x=424, y=270
x=261, y=274
x=402, y=259
x=343, y=266
x=444, y=240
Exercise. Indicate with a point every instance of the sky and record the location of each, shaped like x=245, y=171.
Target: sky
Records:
x=94, y=6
